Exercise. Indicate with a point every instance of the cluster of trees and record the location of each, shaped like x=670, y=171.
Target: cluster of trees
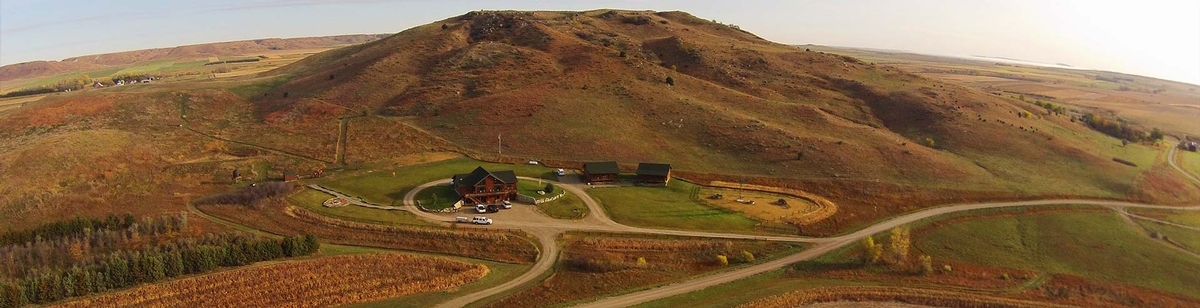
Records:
x=75, y=242
x=1120, y=129
x=1051, y=107
x=123, y=253
x=66, y=228
x=69, y=83
x=895, y=253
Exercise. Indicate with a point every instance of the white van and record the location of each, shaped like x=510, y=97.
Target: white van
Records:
x=506, y=204
x=480, y=220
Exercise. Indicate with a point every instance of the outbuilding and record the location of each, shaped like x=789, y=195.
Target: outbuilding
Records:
x=601, y=172
x=653, y=173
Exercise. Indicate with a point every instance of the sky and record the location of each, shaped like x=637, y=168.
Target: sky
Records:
x=1157, y=38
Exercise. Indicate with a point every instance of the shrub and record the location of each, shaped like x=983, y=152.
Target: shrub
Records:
x=747, y=257
x=722, y=260
x=641, y=262
x=873, y=251
x=670, y=81
x=926, y=264
x=549, y=188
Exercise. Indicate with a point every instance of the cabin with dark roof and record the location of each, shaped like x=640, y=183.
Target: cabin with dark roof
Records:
x=484, y=187
x=653, y=174
x=600, y=172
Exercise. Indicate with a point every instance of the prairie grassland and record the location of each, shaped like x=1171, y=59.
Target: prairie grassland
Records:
x=1093, y=245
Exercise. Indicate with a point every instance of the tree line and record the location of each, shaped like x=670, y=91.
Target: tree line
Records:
x=1120, y=129
x=43, y=271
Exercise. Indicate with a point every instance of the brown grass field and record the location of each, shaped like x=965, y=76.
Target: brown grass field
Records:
x=601, y=264
x=331, y=281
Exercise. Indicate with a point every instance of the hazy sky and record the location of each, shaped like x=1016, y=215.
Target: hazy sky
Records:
x=1158, y=38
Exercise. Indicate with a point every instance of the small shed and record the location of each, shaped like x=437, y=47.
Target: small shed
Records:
x=290, y=175
x=654, y=173
x=601, y=172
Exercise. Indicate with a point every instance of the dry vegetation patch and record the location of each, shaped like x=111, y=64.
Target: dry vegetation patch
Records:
x=600, y=264
x=322, y=282
x=939, y=298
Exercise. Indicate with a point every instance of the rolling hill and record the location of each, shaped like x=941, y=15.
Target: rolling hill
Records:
x=36, y=69
x=580, y=86
x=716, y=102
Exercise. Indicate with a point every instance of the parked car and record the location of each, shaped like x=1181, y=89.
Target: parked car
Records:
x=481, y=208
x=462, y=219
x=492, y=208
x=533, y=162
x=506, y=204
x=480, y=220
x=560, y=172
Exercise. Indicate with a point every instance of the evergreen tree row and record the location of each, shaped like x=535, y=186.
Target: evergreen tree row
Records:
x=128, y=268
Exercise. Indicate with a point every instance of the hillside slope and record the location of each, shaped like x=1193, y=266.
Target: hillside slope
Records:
x=90, y=62
x=593, y=85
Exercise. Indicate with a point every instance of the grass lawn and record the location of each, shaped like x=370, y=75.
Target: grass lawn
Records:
x=438, y=197
x=569, y=206
x=1096, y=245
x=379, y=186
x=675, y=206
x=1189, y=161
x=312, y=200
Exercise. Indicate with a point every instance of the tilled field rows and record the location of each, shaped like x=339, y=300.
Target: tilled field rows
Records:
x=323, y=282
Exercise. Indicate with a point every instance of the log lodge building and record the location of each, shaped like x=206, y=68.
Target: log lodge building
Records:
x=483, y=187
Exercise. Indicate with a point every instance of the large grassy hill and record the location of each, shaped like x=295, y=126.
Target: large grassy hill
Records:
x=593, y=85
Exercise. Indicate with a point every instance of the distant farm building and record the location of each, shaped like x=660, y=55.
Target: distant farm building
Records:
x=654, y=174
x=483, y=187
x=1192, y=146
x=290, y=175
x=601, y=172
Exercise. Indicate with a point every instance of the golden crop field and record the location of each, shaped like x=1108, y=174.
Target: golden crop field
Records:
x=332, y=281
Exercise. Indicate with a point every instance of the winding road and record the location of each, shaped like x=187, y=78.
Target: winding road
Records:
x=546, y=230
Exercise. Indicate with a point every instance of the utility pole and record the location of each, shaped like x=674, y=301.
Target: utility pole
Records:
x=499, y=145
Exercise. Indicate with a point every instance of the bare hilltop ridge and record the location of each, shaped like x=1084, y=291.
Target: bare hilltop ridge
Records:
x=36, y=69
